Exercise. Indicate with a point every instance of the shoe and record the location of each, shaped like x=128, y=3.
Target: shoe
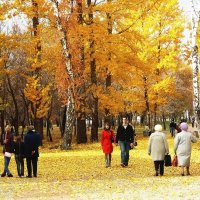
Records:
x=10, y=175
x=28, y=176
x=3, y=174
x=35, y=176
x=123, y=165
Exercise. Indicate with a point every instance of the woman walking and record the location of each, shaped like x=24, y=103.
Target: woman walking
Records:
x=183, y=148
x=107, y=138
x=158, y=148
x=7, y=150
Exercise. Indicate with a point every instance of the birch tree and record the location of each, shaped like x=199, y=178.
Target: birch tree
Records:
x=195, y=59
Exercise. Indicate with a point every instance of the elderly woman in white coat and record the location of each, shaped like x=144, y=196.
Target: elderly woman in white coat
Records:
x=183, y=148
x=158, y=148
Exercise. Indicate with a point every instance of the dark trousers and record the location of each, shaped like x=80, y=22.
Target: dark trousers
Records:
x=32, y=163
x=20, y=165
x=159, y=164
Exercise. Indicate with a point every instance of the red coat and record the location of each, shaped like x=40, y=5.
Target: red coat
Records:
x=106, y=143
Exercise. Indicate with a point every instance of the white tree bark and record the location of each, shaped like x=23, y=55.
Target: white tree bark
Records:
x=195, y=62
x=67, y=137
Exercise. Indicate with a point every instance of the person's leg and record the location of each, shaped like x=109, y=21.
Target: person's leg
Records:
x=127, y=149
x=156, y=165
x=34, y=163
x=29, y=168
x=18, y=164
x=161, y=163
x=22, y=167
x=182, y=171
x=110, y=158
x=6, y=165
x=187, y=171
x=123, y=152
x=106, y=159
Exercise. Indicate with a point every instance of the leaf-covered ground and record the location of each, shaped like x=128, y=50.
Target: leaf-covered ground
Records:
x=81, y=174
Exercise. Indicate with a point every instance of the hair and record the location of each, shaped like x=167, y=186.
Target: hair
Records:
x=30, y=127
x=158, y=127
x=106, y=123
x=184, y=126
x=8, y=128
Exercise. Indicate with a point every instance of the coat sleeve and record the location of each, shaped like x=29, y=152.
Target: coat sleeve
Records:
x=149, y=145
x=132, y=135
x=113, y=136
x=117, y=135
x=166, y=144
x=193, y=138
x=102, y=138
x=176, y=143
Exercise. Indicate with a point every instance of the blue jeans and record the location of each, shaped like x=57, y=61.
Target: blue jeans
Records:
x=6, y=164
x=20, y=165
x=124, y=147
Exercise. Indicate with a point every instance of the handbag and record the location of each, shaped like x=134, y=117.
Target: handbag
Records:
x=8, y=154
x=135, y=143
x=168, y=161
x=175, y=161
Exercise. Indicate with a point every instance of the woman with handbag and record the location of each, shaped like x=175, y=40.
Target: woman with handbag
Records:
x=107, y=138
x=7, y=150
x=158, y=148
x=183, y=148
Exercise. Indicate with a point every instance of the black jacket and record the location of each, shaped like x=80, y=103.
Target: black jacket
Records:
x=125, y=134
x=31, y=144
x=19, y=148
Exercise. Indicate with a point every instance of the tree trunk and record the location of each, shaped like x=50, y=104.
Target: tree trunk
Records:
x=67, y=137
x=195, y=65
x=94, y=129
x=16, y=117
x=81, y=116
x=81, y=130
x=38, y=125
x=147, y=103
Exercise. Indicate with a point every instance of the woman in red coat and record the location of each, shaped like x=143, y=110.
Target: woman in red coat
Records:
x=107, y=137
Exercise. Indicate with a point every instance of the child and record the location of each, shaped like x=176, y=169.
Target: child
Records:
x=19, y=155
x=107, y=137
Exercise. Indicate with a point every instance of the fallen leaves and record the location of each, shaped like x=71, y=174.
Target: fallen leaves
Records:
x=81, y=174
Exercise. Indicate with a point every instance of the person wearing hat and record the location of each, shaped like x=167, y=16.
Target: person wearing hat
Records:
x=158, y=148
x=31, y=144
x=183, y=148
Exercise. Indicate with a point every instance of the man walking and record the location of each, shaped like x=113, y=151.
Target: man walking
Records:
x=125, y=137
x=31, y=144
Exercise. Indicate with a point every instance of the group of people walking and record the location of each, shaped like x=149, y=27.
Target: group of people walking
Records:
x=27, y=149
x=125, y=138
x=157, y=146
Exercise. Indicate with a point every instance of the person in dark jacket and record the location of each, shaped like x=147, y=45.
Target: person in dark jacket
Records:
x=18, y=150
x=7, y=150
x=125, y=138
x=172, y=127
x=31, y=144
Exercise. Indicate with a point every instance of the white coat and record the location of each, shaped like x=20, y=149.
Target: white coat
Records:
x=158, y=146
x=183, y=147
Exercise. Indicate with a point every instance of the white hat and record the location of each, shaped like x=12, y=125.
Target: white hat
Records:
x=158, y=127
